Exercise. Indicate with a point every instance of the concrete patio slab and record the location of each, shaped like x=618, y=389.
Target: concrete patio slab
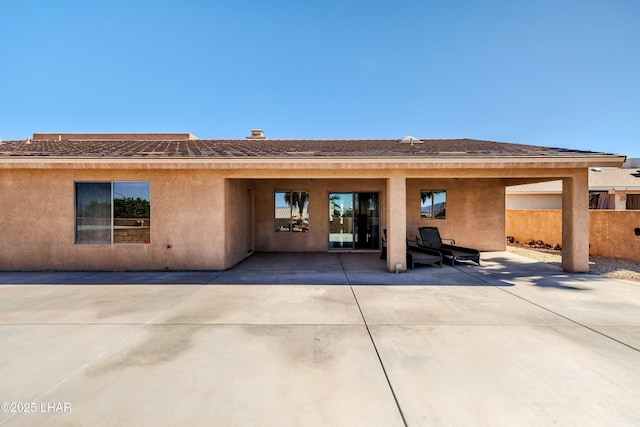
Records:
x=263, y=268
x=586, y=300
x=36, y=358
x=448, y=305
x=260, y=304
x=509, y=342
x=604, y=305
x=625, y=334
x=510, y=375
x=363, y=269
x=87, y=304
x=287, y=268
x=107, y=277
x=313, y=375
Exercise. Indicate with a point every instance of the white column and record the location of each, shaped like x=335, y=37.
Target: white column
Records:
x=396, y=223
x=621, y=201
x=575, y=223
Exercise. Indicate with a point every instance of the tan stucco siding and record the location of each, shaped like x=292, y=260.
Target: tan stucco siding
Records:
x=317, y=239
x=535, y=224
x=200, y=220
x=534, y=201
x=237, y=225
x=38, y=225
x=475, y=211
x=189, y=216
x=611, y=233
x=202, y=212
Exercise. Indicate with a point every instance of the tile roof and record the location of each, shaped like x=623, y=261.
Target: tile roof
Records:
x=273, y=148
x=614, y=178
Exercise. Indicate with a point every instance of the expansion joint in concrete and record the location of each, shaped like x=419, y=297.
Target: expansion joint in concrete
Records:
x=373, y=343
x=557, y=314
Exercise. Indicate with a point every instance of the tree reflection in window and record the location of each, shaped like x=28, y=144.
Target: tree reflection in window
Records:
x=292, y=211
x=131, y=212
x=433, y=204
x=118, y=212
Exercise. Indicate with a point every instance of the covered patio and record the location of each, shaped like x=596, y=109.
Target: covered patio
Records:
x=309, y=268
x=214, y=202
x=509, y=342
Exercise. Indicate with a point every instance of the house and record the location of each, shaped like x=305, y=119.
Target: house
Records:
x=609, y=188
x=534, y=211
x=173, y=201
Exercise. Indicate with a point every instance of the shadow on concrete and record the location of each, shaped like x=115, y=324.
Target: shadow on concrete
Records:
x=326, y=268
x=107, y=277
x=499, y=268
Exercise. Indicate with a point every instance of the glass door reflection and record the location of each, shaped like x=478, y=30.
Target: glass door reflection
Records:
x=366, y=228
x=340, y=220
x=354, y=221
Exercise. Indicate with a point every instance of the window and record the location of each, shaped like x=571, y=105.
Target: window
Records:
x=291, y=211
x=601, y=200
x=433, y=204
x=118, y=212
x=633, y=202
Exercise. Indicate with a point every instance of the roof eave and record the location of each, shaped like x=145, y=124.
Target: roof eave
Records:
x=318, y=161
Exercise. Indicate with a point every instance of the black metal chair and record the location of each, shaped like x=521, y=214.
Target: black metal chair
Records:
x=422, y=255
x=383, y=252
x=415, y=254
x=430, y=238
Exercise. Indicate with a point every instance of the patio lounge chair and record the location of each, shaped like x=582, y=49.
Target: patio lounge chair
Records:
x=430, y=238
x=415, y=254
x=421, y=255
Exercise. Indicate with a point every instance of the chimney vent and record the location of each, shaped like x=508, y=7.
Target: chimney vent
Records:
x=410, y=140
x=256, y=134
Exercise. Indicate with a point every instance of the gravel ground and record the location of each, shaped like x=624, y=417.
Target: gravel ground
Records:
x=615, y=268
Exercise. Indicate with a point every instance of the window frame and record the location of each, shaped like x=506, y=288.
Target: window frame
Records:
x=632, y=203
x=112, y=218
x=278, y=227
x=431, y=194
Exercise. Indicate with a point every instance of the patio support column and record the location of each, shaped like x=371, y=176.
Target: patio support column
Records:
x=396, y=223
x=575, y=223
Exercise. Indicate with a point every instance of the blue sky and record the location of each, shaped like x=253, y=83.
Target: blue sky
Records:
x=545, y=72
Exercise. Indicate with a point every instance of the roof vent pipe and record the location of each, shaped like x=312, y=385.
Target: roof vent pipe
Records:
x=410, y=140
x=256, y=134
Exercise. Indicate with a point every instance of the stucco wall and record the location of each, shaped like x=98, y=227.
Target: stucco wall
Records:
x=37, y=219
x=611, y=233
x=317, y=239
x=534, y=201
x=238, y=203
x=536, y=224
x=475, y=211
x=202, y=221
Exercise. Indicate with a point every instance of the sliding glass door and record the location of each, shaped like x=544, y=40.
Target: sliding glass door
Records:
x=354, y=221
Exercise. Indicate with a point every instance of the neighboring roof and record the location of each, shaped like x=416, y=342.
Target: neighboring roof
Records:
x=549, y=187
x=609, y=178
x=600, y=179
x=272, y=148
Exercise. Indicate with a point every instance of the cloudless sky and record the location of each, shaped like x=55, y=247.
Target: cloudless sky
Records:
x=546, y=72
